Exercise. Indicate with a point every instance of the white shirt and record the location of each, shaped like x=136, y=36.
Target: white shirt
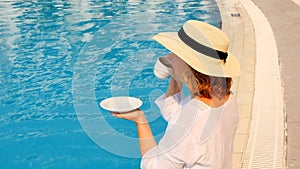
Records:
x=197, y=136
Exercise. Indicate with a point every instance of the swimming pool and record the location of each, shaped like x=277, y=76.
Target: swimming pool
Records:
x=59, y=59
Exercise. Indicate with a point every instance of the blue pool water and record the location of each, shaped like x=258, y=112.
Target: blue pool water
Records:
x=59, y=59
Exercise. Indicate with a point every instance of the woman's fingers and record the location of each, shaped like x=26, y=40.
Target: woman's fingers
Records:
x=125, y=115
x=116, y=114
x=135, y=116
x=170, y=56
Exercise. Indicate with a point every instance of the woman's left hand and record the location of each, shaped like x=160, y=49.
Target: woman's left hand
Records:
x=136, y=116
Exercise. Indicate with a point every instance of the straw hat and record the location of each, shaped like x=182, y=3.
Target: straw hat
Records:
x=203, y=47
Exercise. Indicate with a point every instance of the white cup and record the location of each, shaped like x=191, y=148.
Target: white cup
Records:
x=163, y=68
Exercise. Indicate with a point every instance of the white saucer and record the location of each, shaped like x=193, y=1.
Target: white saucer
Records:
x=121, y=104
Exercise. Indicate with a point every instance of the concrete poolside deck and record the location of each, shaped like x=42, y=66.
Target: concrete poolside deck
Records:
x=265, y=37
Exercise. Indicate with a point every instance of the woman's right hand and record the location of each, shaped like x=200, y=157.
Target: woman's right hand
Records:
x=170, y=57
x=175, y=84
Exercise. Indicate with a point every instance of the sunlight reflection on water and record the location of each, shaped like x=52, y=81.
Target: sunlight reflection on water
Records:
x=50, y=49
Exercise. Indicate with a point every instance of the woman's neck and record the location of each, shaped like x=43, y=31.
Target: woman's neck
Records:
x=213, y=102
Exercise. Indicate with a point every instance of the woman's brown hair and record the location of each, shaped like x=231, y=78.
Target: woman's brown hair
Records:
x=211, y=86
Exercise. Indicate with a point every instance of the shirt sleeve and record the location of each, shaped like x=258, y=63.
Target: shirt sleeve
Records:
x=160, y=161
x=179, y=147
x=168, y=105
x=178, y=156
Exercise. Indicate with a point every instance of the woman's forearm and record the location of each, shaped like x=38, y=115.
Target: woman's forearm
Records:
x=146, y=138
x=145, y=135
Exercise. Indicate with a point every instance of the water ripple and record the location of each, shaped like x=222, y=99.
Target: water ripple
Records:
x=41, y=41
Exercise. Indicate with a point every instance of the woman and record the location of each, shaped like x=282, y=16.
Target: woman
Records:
x=201, y=127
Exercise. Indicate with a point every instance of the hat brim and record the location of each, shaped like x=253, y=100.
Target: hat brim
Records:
x=198, y=61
